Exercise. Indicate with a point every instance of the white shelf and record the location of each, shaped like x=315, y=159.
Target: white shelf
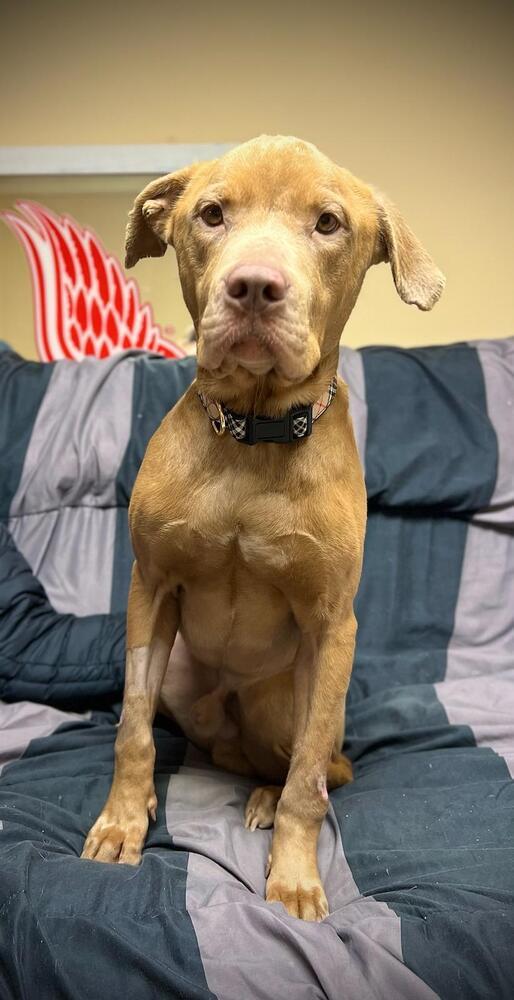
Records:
x=38, y=161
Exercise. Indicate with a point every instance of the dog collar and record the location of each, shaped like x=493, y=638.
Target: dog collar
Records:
x=252, y=429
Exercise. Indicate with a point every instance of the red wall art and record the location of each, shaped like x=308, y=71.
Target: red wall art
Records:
x=84, y=306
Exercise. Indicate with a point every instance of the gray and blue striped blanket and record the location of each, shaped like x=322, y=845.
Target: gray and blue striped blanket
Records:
x=417, y=854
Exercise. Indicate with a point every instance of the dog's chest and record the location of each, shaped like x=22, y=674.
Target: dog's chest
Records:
x=231, y=565
x=221, y=529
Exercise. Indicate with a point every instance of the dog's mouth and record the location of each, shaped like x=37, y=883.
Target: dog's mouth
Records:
x=238, y=341
x=251, y=353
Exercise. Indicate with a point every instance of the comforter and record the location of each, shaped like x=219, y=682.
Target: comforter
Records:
x=417, y=854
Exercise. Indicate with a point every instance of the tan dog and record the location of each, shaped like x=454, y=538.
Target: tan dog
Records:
x=240, y=618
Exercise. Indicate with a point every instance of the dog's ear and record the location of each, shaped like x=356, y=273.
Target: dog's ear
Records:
x=418, y=281
x=148, y=222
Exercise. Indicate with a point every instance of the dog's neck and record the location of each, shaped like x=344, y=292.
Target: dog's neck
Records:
x=267, y=395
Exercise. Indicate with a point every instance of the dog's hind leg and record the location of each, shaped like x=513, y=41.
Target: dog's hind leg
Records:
x=339, y=771
x=228, y=754
x=262, y=804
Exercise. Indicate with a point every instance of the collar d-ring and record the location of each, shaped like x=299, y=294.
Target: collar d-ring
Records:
x=221, y=418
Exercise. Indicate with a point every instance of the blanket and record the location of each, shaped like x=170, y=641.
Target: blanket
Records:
x=416, y=854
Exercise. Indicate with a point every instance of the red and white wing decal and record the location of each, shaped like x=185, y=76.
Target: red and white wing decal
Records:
x=84, y=305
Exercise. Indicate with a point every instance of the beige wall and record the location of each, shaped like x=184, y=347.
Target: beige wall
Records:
x=417, y=98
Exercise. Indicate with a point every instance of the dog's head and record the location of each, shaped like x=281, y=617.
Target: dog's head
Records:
x=273, y=241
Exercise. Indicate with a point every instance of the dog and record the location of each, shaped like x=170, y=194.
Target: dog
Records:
x=248, y=514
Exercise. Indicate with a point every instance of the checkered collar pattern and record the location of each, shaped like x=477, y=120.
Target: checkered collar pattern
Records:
x=251, y=429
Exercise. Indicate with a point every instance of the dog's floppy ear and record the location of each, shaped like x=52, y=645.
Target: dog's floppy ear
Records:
x=418, y=281
x=148, y=221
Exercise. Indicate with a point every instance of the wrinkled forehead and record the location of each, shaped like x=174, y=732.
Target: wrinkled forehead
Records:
x=279, y=175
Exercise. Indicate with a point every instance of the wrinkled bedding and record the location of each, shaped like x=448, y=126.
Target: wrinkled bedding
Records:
x=417, y=854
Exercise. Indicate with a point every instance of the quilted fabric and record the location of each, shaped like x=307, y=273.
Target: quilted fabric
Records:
x=417, y=853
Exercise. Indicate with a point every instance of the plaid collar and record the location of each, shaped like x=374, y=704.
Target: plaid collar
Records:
x=251, y=429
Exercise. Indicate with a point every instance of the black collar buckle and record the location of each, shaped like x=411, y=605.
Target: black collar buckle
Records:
x=294, y=426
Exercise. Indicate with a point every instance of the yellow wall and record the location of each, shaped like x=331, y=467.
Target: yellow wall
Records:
x=417, y=98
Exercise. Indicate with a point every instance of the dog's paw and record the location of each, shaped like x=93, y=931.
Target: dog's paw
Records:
x=261, y=807
x=116, y=837
x=302, y=897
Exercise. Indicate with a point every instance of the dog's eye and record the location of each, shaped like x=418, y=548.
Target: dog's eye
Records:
x=212, y=214
x=327, y=223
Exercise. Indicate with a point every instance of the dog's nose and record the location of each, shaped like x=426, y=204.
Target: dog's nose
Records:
x=255, y=287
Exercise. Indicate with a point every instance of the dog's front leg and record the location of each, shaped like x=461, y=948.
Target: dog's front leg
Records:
x=293, y=876
x=120, y=830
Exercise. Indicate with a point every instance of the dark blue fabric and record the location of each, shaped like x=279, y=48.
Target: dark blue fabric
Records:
x=22, y=388
x=405, y=606
x=426, y=825
x=421, y=825
x=429, y=832
x=49, y=657
x=430, y=442
x=75, y=929
x=158, y=384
